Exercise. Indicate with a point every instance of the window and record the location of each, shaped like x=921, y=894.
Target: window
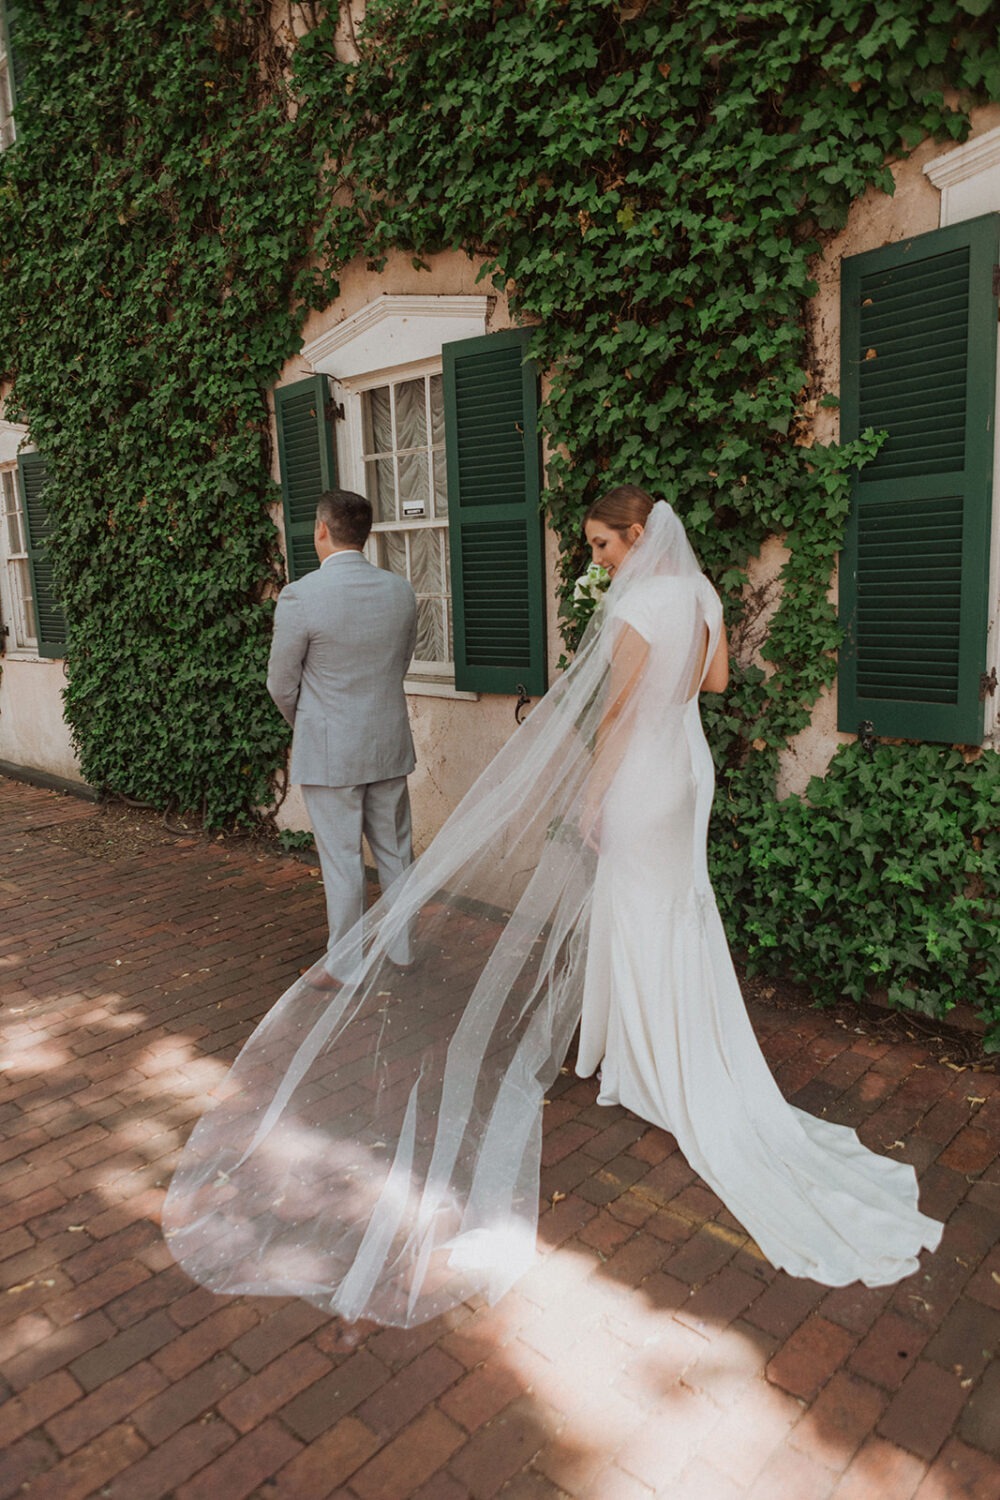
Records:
x=445, y=445
x=18, y=612
x=403, y=452
x=6, y=86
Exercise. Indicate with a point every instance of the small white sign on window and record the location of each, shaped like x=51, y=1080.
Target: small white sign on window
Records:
x=412, y=509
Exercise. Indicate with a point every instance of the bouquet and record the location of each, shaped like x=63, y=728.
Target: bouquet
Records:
x=589, y=587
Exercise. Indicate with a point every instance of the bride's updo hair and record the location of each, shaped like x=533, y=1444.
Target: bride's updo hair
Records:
x=624, y=506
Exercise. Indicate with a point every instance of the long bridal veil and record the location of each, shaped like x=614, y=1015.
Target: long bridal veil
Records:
x=376, y=1145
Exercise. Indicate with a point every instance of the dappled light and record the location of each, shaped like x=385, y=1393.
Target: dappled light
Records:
x=649, y=1349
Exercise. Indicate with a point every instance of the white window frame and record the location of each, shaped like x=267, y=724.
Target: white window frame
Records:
x=391, y=338
x=425, y=676
x=20, y=640
x=968, y=179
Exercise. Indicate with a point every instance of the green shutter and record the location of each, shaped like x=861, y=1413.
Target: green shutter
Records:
x=494, y=514
x=918, y=360
x=307, y=463
x=50, y=623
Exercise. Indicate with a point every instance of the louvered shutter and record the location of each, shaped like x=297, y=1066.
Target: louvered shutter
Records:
x=919, y=333
x=494, y=514
x=50, y=623
x=307, y=463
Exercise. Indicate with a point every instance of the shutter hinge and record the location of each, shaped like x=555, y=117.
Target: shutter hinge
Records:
x=996, y=281
x=866, y=735
x=334, y=411
x=987, y=683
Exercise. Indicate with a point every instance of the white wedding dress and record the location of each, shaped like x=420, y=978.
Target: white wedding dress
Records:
x=376, y=1146
x=663, y=1018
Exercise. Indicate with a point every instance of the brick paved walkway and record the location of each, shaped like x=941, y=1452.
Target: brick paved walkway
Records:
x=650, y=1352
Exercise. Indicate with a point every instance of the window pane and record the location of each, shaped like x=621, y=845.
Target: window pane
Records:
x=381, y=488
x=430, y=631
x=414, y=493
x=437, y=409
x=23, y=603
x=427, y=562
x=378, y=424
x=392, y=552
x=440, y=485
x=411, y=417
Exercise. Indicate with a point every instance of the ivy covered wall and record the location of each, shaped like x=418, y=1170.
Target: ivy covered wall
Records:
x=648, y=182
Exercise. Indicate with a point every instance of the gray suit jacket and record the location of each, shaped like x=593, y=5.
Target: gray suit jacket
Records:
x=343, y=639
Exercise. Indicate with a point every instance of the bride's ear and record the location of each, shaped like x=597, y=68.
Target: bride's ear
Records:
x=634, y=532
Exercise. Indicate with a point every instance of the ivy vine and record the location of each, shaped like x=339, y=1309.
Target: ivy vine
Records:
x=649, y=183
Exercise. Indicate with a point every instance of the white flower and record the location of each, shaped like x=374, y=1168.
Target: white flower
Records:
x=591, y=585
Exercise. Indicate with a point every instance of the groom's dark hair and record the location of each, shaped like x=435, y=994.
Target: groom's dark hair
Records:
x=347, y=517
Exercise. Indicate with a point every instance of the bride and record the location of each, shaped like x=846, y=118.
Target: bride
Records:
x=376, y=1147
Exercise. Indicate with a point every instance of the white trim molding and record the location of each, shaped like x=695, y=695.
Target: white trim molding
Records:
x=395, y=330
x=12, y=436
x=968, y=178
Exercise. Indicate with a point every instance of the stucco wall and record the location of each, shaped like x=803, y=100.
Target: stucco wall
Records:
x=875, y=219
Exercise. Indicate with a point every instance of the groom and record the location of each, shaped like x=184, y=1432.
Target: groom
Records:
x=343, y=639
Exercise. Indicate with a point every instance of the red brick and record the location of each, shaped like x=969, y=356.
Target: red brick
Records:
x=670, y=1438
x=274, y=1387
x=158, y=1474
x=96, y=1292
x=480, y=1395
x=21, y=1462
x=785, y=1304
x=28, y=1329
x=403, y=1397
x=881, y=1471
x=605, y=1233
x=182, y=1355
x=790, y=1474
x=35, y=1405
x=722, y=1299
x=980, y=1422
x=186, y=1399
x=613, y=1484
x=841, y=1418
x=329, y=1461
x=244, y=1466
x=410, y=1459
x=57, y=1349
x=87, y=1471
x=961, y=1471
x=890, y=1351
x=923, y=1410
x=971, y=1151
x=120, y=1351
x=804, y=1364
x=700, y=1257
x=331, y=1398
x=104, y=1407
x=279, y=1330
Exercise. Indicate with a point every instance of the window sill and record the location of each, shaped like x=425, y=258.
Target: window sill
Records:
x=436, y=687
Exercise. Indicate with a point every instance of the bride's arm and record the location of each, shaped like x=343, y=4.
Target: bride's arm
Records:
x=716, y=679
x=628, y=661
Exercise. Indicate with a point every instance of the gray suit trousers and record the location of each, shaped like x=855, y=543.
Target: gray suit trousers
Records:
x=340, y=815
